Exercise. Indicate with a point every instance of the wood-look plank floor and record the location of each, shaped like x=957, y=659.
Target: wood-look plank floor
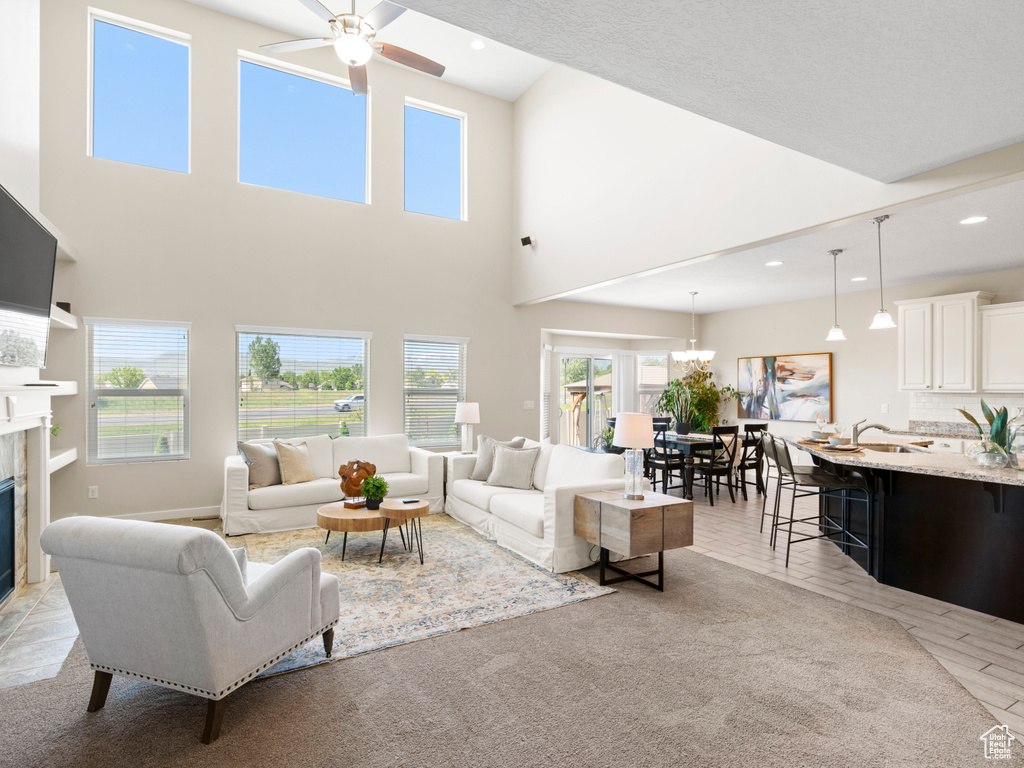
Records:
x=985, y=653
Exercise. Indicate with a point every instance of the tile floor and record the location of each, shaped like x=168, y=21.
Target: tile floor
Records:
x=984, y=653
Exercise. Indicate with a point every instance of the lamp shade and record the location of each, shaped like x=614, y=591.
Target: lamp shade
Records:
x=467, y=413
x=836, y=334
x=882, y=321
x=634, y=430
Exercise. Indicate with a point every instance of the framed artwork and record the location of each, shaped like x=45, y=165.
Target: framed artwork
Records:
x=785, y=387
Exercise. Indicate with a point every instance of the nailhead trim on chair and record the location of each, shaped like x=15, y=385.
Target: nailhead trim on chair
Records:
x=201, y=691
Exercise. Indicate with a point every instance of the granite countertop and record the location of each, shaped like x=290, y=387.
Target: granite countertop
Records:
x=921, y=461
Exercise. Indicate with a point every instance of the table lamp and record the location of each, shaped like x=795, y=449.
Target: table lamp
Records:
x=467, y=414
x=634, y=432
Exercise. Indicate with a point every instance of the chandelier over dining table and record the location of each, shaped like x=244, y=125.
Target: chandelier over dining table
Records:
x=693, y=360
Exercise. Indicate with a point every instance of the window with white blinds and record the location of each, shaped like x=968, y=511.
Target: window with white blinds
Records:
x=137, y=386
x=546, y=360
x=435, y=380
x=296, y=383
x=651, y=380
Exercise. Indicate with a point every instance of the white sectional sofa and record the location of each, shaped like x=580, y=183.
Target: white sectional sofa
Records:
x=537, y=523
x=410, y=471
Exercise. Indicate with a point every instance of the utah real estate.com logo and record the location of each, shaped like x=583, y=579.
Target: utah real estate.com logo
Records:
x=997, y=742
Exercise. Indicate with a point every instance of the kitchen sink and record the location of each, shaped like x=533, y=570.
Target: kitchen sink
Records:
x=888, y=448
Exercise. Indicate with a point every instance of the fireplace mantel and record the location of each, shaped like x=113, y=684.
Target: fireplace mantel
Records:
x=27, y=408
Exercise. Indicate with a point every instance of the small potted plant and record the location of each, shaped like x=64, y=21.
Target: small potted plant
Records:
x=374, y=490
x=605, y=441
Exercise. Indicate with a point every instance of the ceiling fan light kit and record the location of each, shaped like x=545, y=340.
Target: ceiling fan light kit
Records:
x=353, y=37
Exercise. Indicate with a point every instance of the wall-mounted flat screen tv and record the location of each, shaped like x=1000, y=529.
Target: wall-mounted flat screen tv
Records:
x=28, y=253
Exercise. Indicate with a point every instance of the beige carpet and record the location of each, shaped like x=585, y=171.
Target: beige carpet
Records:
x=726, y=668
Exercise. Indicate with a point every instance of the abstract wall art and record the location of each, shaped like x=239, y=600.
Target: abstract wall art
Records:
x=786, y=387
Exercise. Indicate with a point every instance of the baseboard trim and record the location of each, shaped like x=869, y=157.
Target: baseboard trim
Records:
x=171, y=514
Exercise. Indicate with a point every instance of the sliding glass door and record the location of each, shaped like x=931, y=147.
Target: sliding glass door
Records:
x=584, y=398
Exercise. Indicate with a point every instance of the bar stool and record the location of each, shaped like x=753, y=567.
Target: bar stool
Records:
x=806, y=481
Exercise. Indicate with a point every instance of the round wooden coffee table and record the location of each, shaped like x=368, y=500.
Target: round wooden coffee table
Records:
x=395, y=511
x=337, y=517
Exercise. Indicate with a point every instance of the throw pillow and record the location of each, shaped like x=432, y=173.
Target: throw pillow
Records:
x=294, y=461
x=485, y=454
x=263, y=466
x=513, y=467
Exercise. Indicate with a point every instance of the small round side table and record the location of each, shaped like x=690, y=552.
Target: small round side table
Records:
x=414, y=512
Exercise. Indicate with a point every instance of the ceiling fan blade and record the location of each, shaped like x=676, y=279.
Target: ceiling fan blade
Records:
x=383, y=14
x=410, y=59
x=319, y=9
x=297, y=45
x=357, y=76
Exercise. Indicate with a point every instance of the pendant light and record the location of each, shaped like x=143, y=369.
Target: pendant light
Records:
x=882, y=318
x=836, y=334
x=693, y=360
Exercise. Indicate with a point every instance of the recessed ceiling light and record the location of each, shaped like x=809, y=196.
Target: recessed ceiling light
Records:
x=773, y=264
x=477, y=45
x=857, y=279
x=974, y=220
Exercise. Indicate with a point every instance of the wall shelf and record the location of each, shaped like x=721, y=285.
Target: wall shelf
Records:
x=61, y=457
x=61, y=319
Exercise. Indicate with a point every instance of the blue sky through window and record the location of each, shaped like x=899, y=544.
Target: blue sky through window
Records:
x=433, y=163
x=301, y=135
x=140, y=98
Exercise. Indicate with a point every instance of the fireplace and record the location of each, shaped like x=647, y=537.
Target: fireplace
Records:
x=8, y=580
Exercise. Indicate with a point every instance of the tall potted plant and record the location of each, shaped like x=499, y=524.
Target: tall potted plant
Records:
x=676, y=402
x=694, y=401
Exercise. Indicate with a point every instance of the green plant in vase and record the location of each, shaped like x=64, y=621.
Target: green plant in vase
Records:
x=990, y=453
x=605, y=440
x=695, y=400
x=374, y=489
x=675, y=401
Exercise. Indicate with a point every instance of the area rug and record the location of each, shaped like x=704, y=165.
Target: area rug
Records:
x=725, y=669
x=465, y=581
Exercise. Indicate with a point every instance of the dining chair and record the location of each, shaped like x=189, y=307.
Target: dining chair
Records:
x=751, y=458
x=665, y=459
x=722, y=461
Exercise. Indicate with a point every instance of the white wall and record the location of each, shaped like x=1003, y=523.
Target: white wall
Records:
x=614, y=183
x=203, y=248
x=19, y=101
x=863, y=366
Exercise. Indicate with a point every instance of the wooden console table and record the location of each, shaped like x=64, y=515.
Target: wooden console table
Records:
x=633, y=528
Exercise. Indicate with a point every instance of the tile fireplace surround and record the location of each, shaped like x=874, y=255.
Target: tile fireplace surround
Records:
x=25, y=455
x=14, y=463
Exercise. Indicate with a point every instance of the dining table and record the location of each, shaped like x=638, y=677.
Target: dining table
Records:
x=692, y=445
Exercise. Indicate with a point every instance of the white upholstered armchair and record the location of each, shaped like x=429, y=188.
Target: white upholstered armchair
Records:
x=174, y=606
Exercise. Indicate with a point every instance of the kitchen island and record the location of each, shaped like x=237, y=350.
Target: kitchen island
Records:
x=936, y=525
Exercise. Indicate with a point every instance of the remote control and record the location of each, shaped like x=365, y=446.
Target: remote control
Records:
x=409, y=501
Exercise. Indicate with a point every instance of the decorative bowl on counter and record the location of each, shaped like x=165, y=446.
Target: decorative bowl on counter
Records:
x=839, y=441
x=985, y=454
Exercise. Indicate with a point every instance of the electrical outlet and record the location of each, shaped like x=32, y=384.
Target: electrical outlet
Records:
x=94, y=491
x=527, y=405
x=885, y=407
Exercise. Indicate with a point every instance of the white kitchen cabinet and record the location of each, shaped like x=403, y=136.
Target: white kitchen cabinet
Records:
x=938, y=342
x=1002, y=347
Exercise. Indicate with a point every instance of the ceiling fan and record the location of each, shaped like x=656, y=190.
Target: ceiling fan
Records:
x=353, y=38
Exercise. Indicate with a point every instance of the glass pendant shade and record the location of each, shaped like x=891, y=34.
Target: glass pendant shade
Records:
x=353, y=50
x=882, y=320
x=836, y=334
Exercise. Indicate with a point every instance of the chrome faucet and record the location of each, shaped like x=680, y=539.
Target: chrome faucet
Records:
x=858, y=430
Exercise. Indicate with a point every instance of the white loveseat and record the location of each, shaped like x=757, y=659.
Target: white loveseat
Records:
x=409, y=471
x=537, y=523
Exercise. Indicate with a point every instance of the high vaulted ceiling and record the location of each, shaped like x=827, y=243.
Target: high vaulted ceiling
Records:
x=884, y=89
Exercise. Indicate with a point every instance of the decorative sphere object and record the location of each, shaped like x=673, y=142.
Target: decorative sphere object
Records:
x=986, y=455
